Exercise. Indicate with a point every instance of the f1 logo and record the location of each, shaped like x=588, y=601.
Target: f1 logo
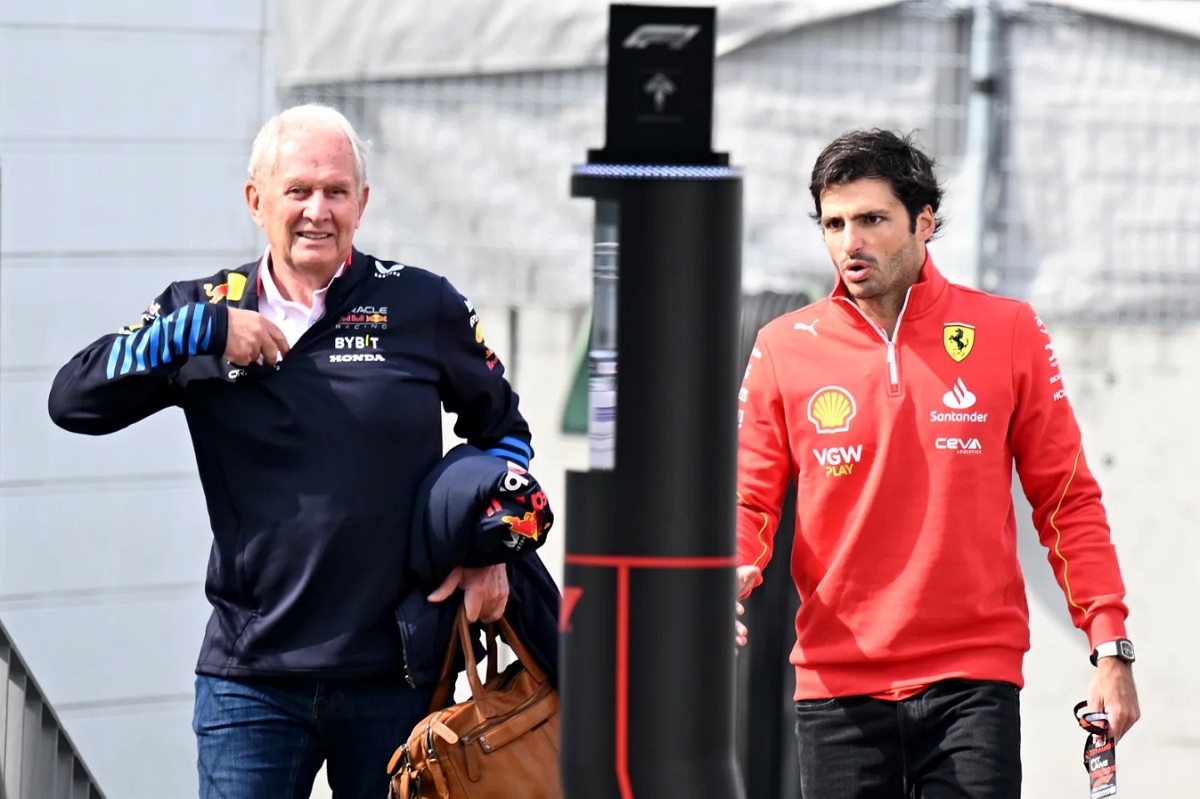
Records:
x=674, y=36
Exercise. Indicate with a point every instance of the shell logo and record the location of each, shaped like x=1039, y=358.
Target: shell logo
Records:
x=831, y=409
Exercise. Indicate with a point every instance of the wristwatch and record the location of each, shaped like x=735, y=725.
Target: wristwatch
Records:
x=1122, y=649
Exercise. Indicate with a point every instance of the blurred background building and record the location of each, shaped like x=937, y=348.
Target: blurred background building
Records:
x=1066, y=132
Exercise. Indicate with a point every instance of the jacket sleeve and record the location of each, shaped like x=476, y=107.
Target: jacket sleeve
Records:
x=123, y=377
x=472, y=383
x=764, y=458
x=1067, y=509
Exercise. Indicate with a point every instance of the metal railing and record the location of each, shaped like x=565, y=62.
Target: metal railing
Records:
x=37, y=758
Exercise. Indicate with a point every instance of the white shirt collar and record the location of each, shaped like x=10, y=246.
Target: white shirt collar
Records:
x=293, y=318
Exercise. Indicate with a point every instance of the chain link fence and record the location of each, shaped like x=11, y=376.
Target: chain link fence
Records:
x=1084, y=202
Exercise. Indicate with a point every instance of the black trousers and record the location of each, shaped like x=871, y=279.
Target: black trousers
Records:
x=960, y=739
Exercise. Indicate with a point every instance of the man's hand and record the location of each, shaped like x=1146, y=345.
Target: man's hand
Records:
x=1112, y=691
x=747, y=577
x=253, y=336
x=485, y=591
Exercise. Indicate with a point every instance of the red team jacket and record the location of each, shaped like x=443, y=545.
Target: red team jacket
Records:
x=905, y=555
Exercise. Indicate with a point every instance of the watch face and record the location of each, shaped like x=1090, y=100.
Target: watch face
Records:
x=1125, y=647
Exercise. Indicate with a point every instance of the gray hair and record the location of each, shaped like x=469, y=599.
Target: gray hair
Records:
x=312, y=115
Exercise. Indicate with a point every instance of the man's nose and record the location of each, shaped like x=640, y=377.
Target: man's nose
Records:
x=852, y=240
x=316, y=208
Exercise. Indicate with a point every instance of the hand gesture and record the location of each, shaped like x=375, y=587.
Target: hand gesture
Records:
x=747, y=577
x=485, y=591
x=253, y=338
x=1112, y=691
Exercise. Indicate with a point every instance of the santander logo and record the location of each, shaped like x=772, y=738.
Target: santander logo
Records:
x=959, y=397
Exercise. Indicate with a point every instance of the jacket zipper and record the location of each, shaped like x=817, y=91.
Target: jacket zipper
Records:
x=892, y=364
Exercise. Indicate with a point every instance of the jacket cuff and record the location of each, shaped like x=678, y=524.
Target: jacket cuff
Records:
x=219, y=316
x=1107, y=625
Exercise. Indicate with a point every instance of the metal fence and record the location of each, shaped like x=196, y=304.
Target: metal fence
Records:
x=37, y=758
x=1081, y=206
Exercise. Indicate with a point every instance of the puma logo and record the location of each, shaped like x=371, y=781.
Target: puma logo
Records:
x=810, y=328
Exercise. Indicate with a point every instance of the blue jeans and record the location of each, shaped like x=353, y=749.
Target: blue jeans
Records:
x=267, y=739
x=960, y=739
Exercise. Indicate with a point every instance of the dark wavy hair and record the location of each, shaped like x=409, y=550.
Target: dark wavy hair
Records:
x=883, y=155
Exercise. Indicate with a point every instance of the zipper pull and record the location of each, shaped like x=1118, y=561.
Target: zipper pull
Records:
x=893, y=372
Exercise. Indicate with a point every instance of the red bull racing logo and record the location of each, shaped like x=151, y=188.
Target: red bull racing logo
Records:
x=232, y=289
x=365, y=317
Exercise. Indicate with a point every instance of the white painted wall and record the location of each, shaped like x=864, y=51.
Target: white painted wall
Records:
x=1134, y=392
x=124, y=132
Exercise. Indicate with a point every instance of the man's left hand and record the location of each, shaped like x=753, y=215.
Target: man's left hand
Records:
x=485, y=591
x=1113, y=692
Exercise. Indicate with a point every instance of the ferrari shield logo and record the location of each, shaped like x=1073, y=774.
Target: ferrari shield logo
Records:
x=959, y=339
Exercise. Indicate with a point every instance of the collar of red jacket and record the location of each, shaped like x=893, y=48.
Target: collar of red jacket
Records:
x=923, y=294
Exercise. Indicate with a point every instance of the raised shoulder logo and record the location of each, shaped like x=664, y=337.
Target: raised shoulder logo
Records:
x=232, y=289
x=811, y=328
x=831, y=409
x=387, y=271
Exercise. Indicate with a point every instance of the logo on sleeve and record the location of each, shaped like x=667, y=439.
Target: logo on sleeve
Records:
x=831, y=410
x=958, y=339
x=489, y=355
x=810, y=328
x=148, y=317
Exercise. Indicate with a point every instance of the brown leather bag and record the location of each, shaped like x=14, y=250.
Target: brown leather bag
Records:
x=500, y=743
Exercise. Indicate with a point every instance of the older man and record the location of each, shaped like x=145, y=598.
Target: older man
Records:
x=312, y=382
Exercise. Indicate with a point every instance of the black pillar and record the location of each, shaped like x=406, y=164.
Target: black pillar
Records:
x=648, y=654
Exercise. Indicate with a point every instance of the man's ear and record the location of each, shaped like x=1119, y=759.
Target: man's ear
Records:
x=362, y=203
x=253, y=201
x=926, y=224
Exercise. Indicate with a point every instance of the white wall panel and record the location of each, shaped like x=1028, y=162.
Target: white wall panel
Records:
x=112, y=650
x=67, y=541
x=125, y=198
x=96, y=294
x=35, y=450
x=125, y=128
x=140, y=752
x=91, y=83
x=216, y=15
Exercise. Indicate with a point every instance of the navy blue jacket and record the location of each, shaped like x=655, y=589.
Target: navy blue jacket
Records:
x=446, y=532
x=310, y=469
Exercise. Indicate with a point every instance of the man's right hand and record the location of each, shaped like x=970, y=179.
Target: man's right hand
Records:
x=253, y=336
x=747, y=576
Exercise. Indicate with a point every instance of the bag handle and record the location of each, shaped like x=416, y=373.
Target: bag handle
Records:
x=518, y=648
x=462, y=638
